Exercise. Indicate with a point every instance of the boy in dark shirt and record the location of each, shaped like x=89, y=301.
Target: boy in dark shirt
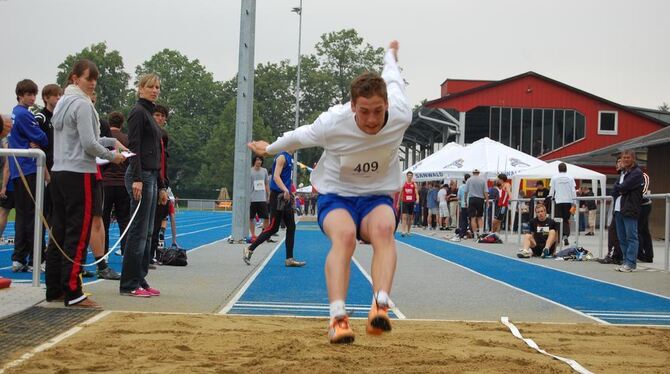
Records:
x=541, y=241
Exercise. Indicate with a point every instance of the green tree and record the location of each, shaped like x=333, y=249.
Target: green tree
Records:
x=112, y=88
x=343, y=56
x=196, y=102
x=217, y=167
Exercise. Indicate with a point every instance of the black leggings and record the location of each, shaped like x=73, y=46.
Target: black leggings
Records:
x=276, y=217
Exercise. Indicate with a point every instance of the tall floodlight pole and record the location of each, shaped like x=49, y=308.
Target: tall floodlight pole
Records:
x=244, y=121
x=298, y=11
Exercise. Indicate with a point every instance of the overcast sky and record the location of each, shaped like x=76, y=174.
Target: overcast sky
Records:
x=616, y=49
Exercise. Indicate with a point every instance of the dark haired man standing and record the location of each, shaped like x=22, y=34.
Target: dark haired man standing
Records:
x=627, y=196
x=25, y=133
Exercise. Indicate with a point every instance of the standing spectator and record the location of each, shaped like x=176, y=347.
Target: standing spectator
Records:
x=646, y=250
x=163, y=204
x=97, y=239
x=74, y=180
x=281, y=209
x=628, y=199
x=502, y=205
x=142, y=179
x=260, y=193
x=452, y=199
x=562, y=190
x=443, y=207
x=491, y=207
x=477, y=197
x=408, y=197
x=24, y=134
x=540, y=196
x=433, y=206
x=51, y=93
x=614, y=254
x=423, y=207
x=463, y=213
x=591, y=209
x=115, y=195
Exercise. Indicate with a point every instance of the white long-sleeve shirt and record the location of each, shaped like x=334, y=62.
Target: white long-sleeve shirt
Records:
x=354, y=163
x=563, y=188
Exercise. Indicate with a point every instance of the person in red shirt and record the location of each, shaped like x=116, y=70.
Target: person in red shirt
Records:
x=408, y=196
x=503, y=202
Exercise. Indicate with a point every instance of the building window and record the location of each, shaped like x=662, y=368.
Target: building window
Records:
x=535, y=131
x=607, y=122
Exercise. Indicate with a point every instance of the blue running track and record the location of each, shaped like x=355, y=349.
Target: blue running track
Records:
x=278, y=290
x=605, y=301
x=194, y=229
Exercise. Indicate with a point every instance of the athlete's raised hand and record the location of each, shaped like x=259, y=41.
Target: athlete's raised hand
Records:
x=259, y=147
x=394, y=47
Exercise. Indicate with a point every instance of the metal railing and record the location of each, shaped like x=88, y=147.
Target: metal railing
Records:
x=39, y=201
x=666, y=197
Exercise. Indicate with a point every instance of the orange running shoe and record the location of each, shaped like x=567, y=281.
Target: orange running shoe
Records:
x=340, y=332
x=378, y=320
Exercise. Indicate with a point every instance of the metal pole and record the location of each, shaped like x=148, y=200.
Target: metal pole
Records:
x=578, y=213
x=297, y=10
x=602, y=221
x=667, y=233
x=244, y=120
x=519, y=223
x=39, y=203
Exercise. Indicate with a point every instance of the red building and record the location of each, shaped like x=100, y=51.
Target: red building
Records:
x=535, y=114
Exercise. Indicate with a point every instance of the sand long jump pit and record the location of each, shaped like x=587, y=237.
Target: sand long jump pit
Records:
x=122, y=342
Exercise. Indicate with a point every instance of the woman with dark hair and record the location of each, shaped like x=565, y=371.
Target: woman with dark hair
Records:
x=74, y=180
x=143, y=176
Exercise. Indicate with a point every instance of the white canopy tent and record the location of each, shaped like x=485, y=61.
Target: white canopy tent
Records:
x=488, y=156
x=424, y=170
x=549, y=170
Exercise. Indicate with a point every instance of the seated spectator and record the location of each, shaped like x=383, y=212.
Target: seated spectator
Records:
x=541, y=241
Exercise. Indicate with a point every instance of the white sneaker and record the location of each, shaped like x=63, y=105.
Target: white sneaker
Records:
x=18, y=267
x=455, y=239
x=524, y=253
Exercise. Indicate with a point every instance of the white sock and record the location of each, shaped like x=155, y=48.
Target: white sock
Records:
x=337, y=309
x=382, y=298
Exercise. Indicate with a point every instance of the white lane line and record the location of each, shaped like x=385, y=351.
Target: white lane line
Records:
x=546, y=267
x=632, y=316
x=317, y=307
x=510, y=286
x=517, y=334
x=299, y=304
x=207, y=229
x=369, y=278
x=251, y=279
x=52, y=342
x=626, y=312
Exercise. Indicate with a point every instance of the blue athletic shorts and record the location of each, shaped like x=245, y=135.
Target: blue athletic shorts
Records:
x=357, y=206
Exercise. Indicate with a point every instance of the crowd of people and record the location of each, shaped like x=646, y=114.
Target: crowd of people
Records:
x=94, y=174
x=475, y=211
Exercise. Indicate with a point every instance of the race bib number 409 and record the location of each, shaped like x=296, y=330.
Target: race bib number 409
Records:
x=366, y=166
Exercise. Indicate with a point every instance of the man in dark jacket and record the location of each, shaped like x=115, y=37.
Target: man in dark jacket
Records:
x=627, y=196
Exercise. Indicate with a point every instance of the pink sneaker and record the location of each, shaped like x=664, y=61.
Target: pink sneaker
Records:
x=139, y=292
x=152, y=291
